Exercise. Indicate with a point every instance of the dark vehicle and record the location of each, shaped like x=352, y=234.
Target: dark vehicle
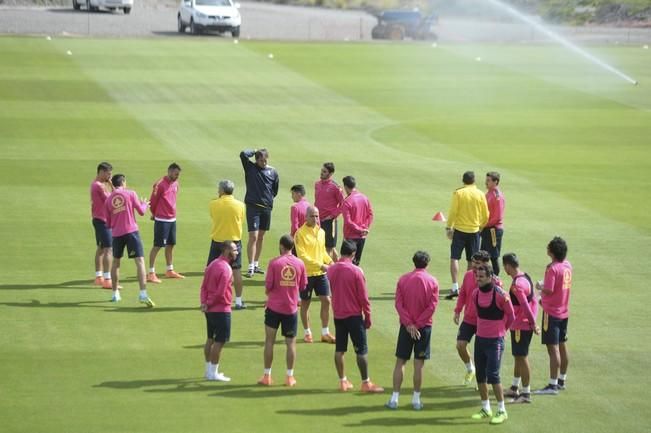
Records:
x=400, y=24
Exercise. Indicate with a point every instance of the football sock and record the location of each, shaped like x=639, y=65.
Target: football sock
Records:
x=394, y=397
x=553, y=381
x=486, y=405
x=152, y=270
x=325, y=331
x=238, y=300
x=308, y=331
x=470, y=367
x=290, y=372
x=516, y=381
x=267, y=371
x=563, y=376
x=416, y=397
x=526, y=389
x=98, y=273
x=455, y=287
x=143, y=293
x=107, y=275
x=170, y=267
x=500, y=406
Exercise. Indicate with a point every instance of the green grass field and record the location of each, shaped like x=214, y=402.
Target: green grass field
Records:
x=572, y=144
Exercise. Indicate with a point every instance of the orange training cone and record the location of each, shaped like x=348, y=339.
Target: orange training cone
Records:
x=439, y=217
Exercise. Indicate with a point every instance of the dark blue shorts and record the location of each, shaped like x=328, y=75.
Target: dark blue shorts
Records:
x=258, y=218
x=103, y=237
x=216, y=249
x=360, y=248
x=520, y=341
x=164, y=233
x=319, y=284
x=287, y=322
x=554, y=330
x=466, y=332
x=491, y=241
x=464, y=241
x=406, y=345
x=488, y=358
x=353, y=326
x=132, y=242
x=218, y=326
x=330, y=229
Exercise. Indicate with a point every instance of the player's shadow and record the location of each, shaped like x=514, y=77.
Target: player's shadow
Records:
x=278, y=391
x=235, y=345
x=137, y=384
x=386, y=296
x=393, y=421
x=333, y=411
x=73, y=284
x=35, y=303
x=141, y=308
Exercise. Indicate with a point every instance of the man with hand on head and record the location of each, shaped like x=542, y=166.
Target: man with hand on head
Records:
x=100, y=189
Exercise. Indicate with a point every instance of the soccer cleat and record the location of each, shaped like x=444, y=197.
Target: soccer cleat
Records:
x=290, y=381
x=249, y=273
x=266, y=380
x=499, y=417
x=512, y=392
x=345, y=385
x=107, y=284
x=174, y=274
x=99, y=281
x=548, y=390
x=116, y=297
x=308, y=338
x=370, y=387
x=522, y=398
x=417, y=405
x=468, y=377
x=393, y=405
x=258, y=270
x=241, y=306
x=453, y=294
x=218, y=377
x=146, y=300
x=328, y=338
x=483, y=413
x=152, y=278
x=561, y=385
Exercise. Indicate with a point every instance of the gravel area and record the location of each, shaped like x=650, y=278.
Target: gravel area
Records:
x=151, y=18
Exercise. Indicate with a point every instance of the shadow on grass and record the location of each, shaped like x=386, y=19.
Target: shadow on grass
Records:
x=234, y=345
x=412, y=421
x=73, y=284
x=137, y=384
x=35, y=303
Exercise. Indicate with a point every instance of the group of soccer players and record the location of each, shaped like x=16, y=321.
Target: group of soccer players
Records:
x=309, y=263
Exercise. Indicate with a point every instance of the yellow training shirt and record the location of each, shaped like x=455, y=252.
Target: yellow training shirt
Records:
x=310, y=247
x=227, y=215
x=469, y=211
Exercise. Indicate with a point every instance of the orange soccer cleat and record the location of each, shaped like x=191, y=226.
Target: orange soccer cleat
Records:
x=371, y=387
x=99, y=281
x=153, y=278
x=328, y=338
x=308, y=338
x=290, y=381
x=345, y=385
x=173, y=274
x=266, y=380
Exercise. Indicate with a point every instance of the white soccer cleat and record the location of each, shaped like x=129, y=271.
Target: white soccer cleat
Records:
x=218, y=377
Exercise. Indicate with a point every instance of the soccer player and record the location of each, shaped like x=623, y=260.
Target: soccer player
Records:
x=468, y=213
x=491, y=235
x=310, y=248
x=216, y=297
x=358, y=216
x=162, y=204
x=285, y=277
x=494, y=317
x=120, y=206
x=525, y=308
x=299, y=208
x=555, y=301
x=417, y=294
x=352, y=312
x=99, y=191
x=227, y=216
x=466, y=303
x=261, y=188
x=329, y=198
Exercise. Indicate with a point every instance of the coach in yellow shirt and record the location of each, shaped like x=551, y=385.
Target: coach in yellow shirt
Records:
x=227, y=216
x=468, y=215
x=310, y=246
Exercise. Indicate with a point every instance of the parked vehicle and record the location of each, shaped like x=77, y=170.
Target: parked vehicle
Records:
x=95, y=5
x=399, y=24
x=209, y=15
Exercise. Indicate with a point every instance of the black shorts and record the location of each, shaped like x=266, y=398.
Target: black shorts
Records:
x=216, y=249
x=330, y=229
x=554, y=330
x=464, y=241
x=360, y=248
x=406, y=345
x=353, y=326
x=488, y=358
x=287, y=322
x=491, y=241
x=520, y=341
x=218, y=326
x=164, y=233
x=132, y=242
x=258, y=218
x=103, y=237
x=319, y=284
x=466, y=332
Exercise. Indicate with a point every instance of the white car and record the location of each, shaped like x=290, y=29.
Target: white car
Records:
x=213, y=15
x=94, y=5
